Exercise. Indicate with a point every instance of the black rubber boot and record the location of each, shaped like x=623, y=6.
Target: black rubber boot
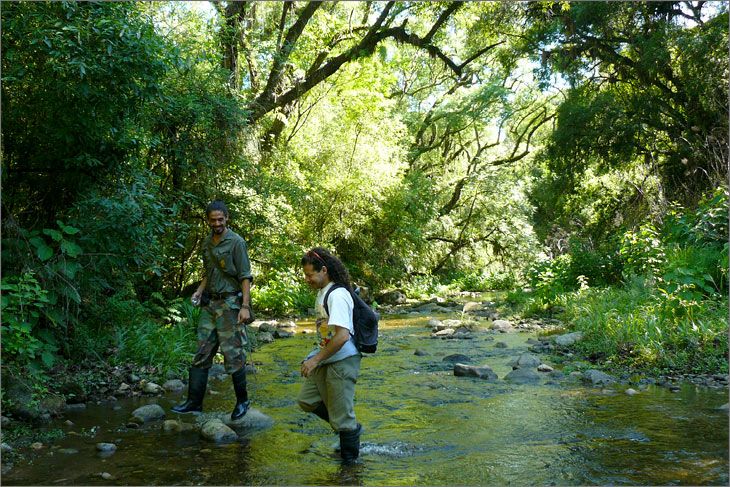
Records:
x=350, y=444
x=242, y=402
x=197, y=382
x=321, y=411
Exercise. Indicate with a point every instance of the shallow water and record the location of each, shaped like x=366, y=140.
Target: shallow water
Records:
x=423, y=426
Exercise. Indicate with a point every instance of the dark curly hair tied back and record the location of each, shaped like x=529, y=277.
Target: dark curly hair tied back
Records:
x=320, y=257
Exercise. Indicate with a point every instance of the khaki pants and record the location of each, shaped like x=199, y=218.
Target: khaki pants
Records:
x=334, y=385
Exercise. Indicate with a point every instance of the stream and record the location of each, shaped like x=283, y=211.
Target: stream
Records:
x=422, y=426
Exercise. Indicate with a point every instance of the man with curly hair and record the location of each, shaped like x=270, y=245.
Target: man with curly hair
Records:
x=330, y=371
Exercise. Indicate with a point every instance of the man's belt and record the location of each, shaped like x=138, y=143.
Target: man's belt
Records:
x=219, y=296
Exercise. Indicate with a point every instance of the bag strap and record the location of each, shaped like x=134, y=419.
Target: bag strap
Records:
x=231, y=279
x=327, y=296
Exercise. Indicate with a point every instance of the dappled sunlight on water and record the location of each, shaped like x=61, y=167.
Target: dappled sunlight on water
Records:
x=423, y=426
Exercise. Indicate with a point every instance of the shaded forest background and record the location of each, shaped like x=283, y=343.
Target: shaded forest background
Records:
x=574, y=154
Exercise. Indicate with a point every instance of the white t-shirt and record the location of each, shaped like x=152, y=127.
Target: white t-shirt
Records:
x=340, y=307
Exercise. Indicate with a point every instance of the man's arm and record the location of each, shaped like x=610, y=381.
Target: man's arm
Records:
x=342, y=334
x=245, y=312
x=199, y=292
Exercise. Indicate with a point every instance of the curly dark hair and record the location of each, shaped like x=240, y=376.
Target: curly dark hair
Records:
x=319, y=257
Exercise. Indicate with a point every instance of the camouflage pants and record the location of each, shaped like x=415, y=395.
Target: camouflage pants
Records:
x=219, y=327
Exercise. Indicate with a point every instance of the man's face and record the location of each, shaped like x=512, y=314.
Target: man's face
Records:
x=315, y=279
x=217, y=222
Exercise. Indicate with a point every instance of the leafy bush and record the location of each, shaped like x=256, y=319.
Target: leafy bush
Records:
x=25, y=342
x=282, y=292
x=629, y=326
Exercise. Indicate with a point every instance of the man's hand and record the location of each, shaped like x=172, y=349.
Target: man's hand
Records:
x=197, y=295
x=243, y=315
x=308, y=366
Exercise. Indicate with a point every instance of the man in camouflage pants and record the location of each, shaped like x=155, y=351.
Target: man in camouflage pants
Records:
x=228, y=282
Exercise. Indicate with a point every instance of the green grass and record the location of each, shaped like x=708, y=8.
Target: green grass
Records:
x=630, y=327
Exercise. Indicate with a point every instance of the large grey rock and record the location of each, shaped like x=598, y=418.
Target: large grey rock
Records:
x=481, y=372
x=216, y=430
x=267, y=327
x=544, y=368
x=472, y=306
x=597, y=377
x=283, y=334
x=392, y=297
x=568, y=339
x=150, y=412
x=151, y=388
x=523, y=376
x=435, y=324
x=501, y=325
x=217, y=369
x=265, y=337
x=526, y=360
x=21, y=404
x=443, y=333
x=174, y=385
x=254, y=420
x=106, y=447
x=456, y=357
x=452, y=323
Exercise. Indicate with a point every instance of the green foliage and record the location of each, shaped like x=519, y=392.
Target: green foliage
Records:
x=642, y=251
x=630, y=326
x=24, y=306
x=284, y=292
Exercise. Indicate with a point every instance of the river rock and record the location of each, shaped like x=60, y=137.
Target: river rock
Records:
x=597, y=377
x=396, y=296
x=150, y=412
x=525, y=360
x=444, y=333
x=21, y=403
x=37, y=445
x=283, y=334
x=430, y=308
x=544, y=368
x=435, y=324
x=420, y=353
x=724, y=407
x=631, y=392
x=472, y=306
x=568, y=339
x=106, y=447
x=171, y=425
x=68, y=451
x=73, y=391
x=456, y=357
x=106, y=475
x=123, y=389
x=481, y=372
x=286, y=325
x=501, y=325
x=75, y=407
x=5, y=421
x=267, y=327
x=522, y=376
x=216, y=370
x=265, y=337
x=500, y=345
x=5, y=448
x=215, y=430
x=151, y=388
x=174, y=385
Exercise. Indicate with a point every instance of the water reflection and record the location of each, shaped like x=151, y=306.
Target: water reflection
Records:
x=423, y=426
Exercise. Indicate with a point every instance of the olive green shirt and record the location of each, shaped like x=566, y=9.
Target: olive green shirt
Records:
x=232, y=255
